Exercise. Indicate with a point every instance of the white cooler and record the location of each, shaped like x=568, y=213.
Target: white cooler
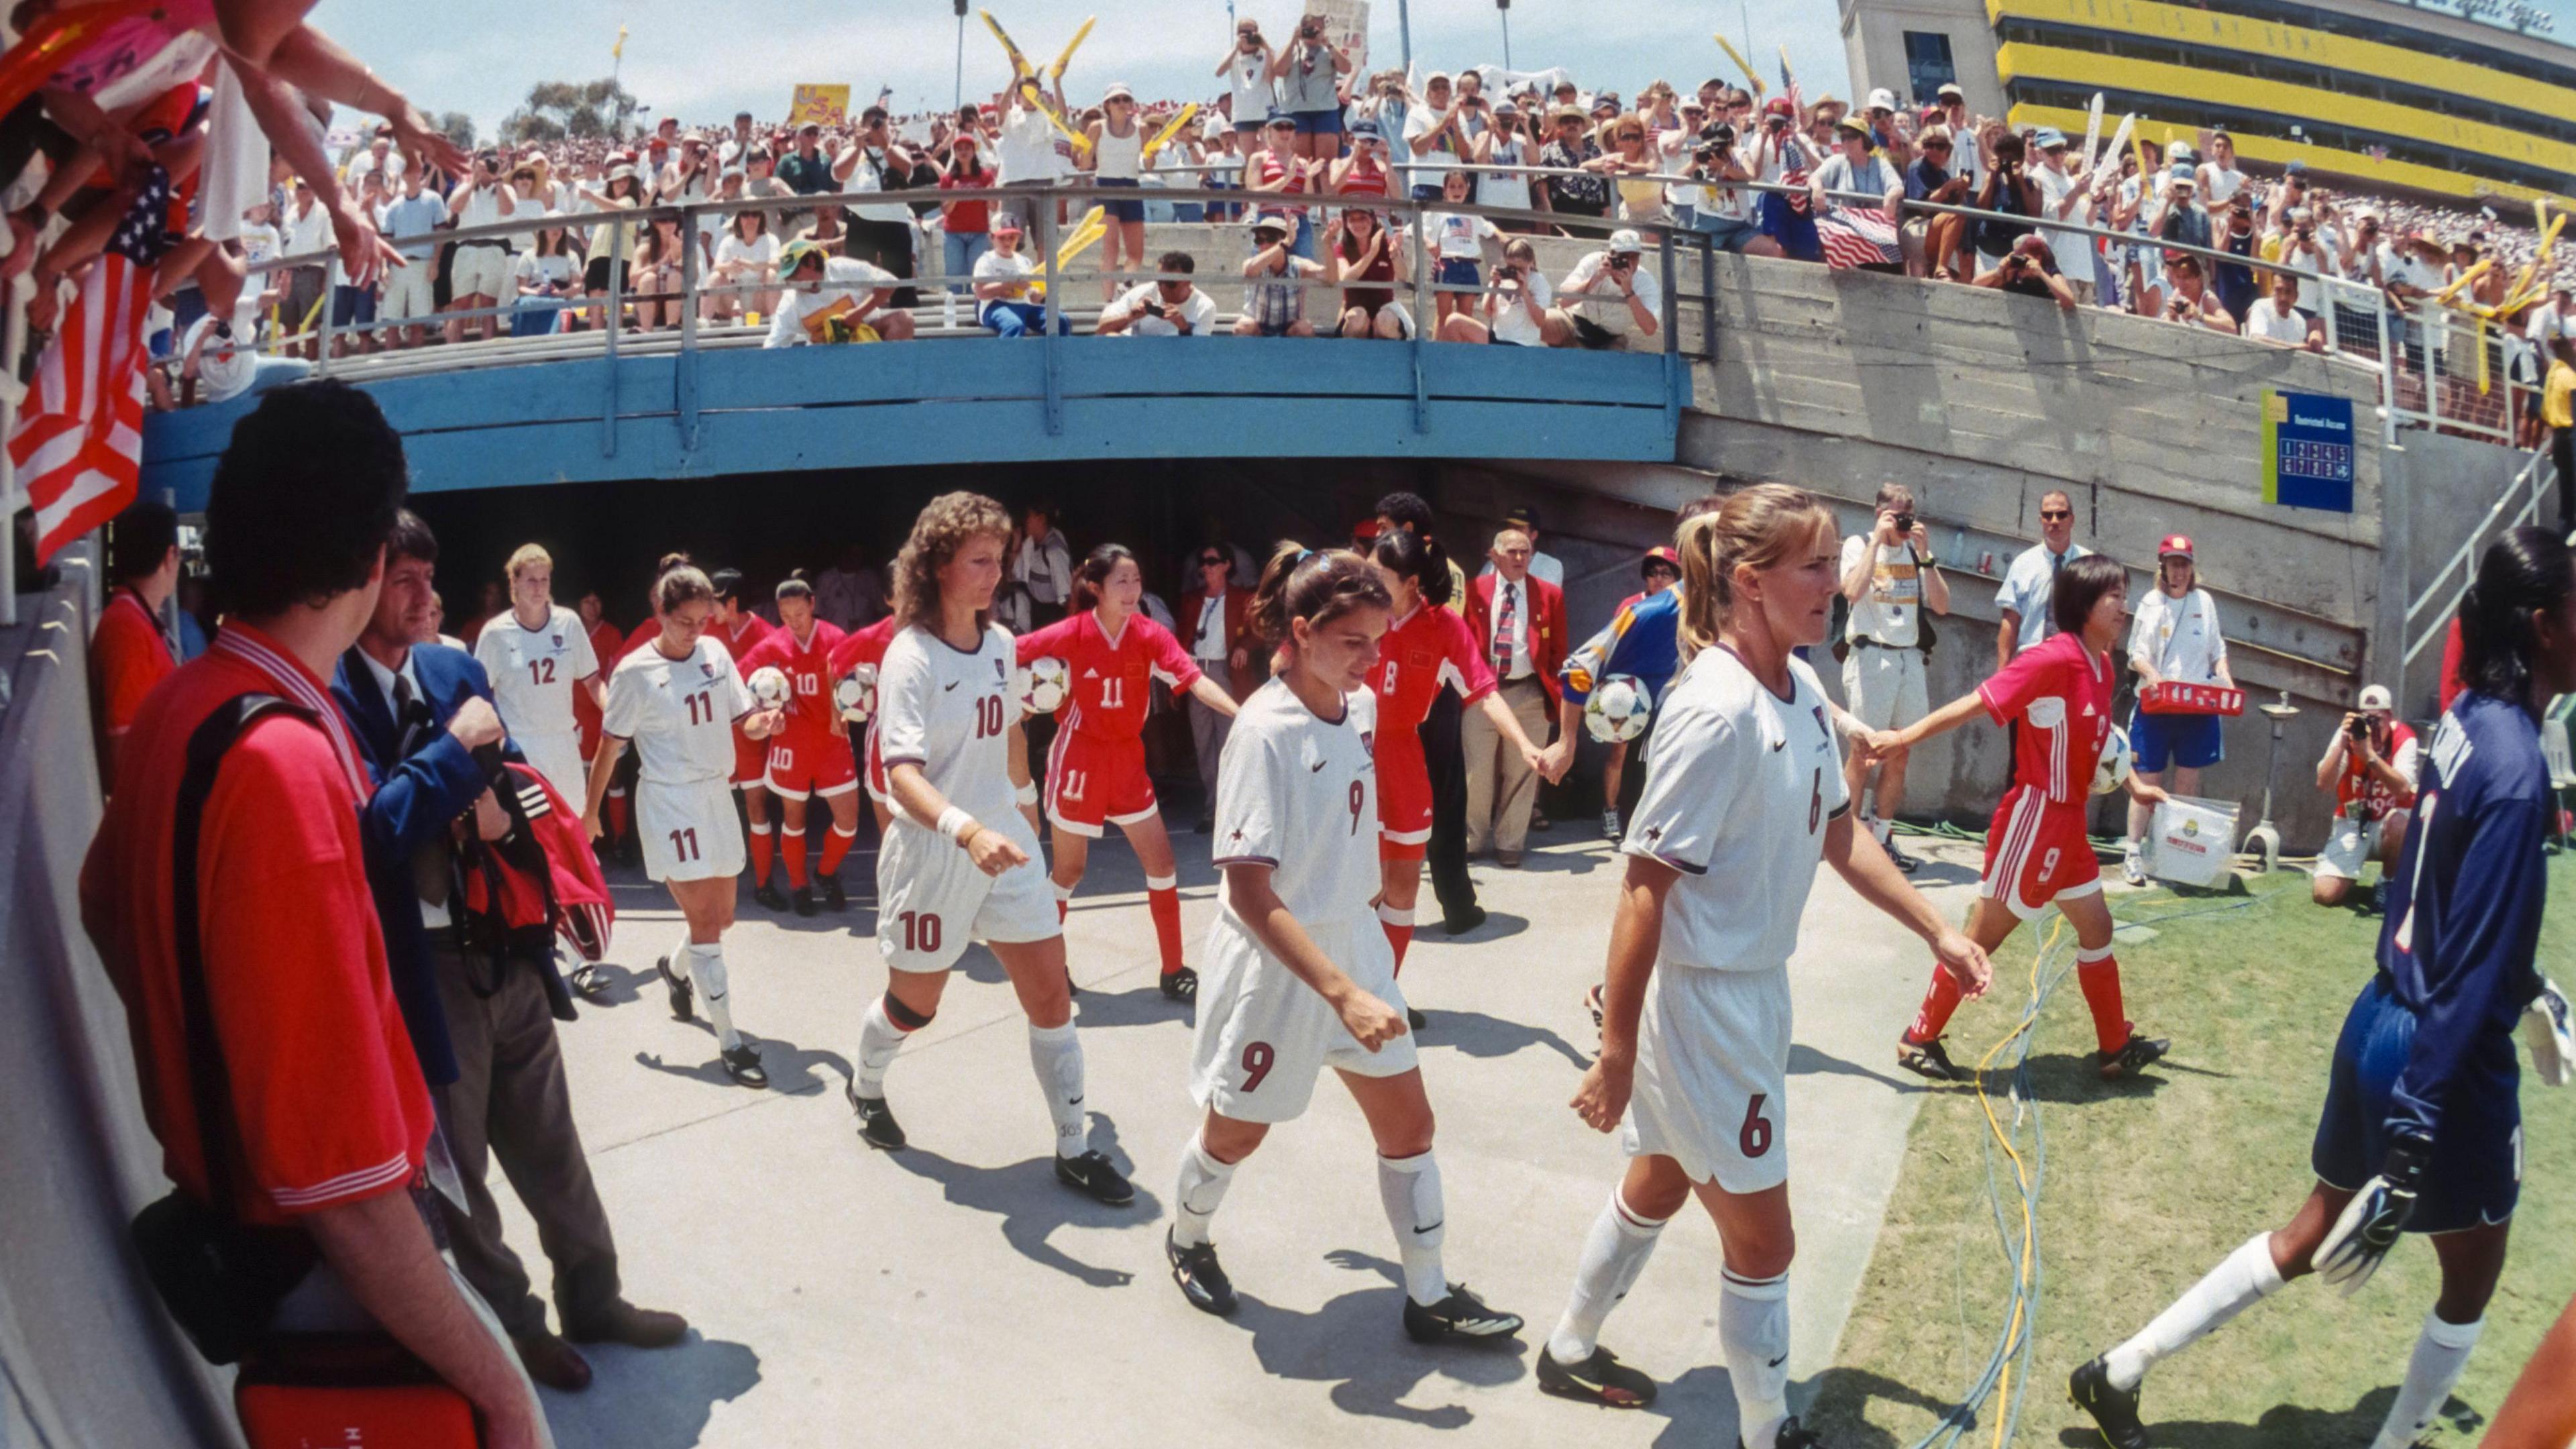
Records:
x=2192, y=842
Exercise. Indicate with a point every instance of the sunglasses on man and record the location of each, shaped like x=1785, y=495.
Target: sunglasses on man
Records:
x=2055, y=515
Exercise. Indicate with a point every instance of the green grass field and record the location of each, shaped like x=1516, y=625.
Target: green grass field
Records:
x=2152, y=1181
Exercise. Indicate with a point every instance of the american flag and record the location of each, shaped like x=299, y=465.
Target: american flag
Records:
x=79, y=447
x=1857, y=236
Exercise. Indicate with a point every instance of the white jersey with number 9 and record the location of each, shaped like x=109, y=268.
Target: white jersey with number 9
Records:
x=1300, y=793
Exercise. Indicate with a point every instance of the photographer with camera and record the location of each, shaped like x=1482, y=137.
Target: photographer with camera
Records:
x=1308, y=78
x=1775, y=150
x=480, y=275
x=1574, y=185
x=1246, y=67
x=1935, y=244
x=2029, y=270
x=1717, y=207
x=1165, y=308
x=1889, y=577
x=1514, y=304
x=2372, y=764
x=1609, y=297
x=2007, y=188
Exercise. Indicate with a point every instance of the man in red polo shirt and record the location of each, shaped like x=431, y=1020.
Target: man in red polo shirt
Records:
x=129, y=652
x=329, y=1121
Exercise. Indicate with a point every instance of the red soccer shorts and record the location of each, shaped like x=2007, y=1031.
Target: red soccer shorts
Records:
x=1403, y=797
x=2036, y=853
x=1090, y=781
x=801, y=767
x=750, y=758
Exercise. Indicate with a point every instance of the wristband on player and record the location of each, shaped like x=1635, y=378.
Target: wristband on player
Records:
x=956, y=824
x=1028, y=794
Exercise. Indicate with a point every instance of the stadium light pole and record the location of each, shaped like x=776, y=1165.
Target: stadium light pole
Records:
x=1503, y=9
x=960, y=102
x=1404, y=33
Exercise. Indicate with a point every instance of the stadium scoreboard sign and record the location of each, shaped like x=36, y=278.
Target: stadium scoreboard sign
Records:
x=2307, y=451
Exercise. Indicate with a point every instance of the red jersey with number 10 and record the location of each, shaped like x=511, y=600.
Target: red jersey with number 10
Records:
x=1108, y=679
x=2061, y=693
x=808, y=667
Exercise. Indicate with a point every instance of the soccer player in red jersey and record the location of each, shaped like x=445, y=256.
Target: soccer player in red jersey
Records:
x=609, y=646
x=1427, y=646
x=811, y=756
x=868, y=646
x=1095, y=773
x=739, y=630
x=2059, y=690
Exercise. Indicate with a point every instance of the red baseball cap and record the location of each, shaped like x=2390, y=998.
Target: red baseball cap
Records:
x=1779, y=106
x=2174, y=544
x=1664, y=555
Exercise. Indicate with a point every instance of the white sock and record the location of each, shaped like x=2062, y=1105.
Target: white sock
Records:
x=2441, y=1351
x=1393, y=917
x=707, y=968
x=1056, y=1054
x=1614, y=1253
x=1410, y=1188
x=879, y=1040
x=1883, y=829
x=2246, y=1278
x=1062, y=891
x=1202, y=1190
x=1753, y=1334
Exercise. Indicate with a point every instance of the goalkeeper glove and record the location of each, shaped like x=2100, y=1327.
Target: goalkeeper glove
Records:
x=2549, y=1029
x=2374, y=1218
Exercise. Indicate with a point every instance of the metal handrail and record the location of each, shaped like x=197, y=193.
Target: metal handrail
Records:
x=2527, y=486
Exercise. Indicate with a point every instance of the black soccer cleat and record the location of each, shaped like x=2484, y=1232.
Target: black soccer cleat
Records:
x=585, y=981
x=1464, y=921
x=1928, y=1059
x=1791, y=1435
x=805, y=900
x=2114, y=1411
x=1901, y=858
x=682, y=993
x=2134, y=1056
x=1202, y=1282
x=877, y=1126
x=1600, y=1379
x=743, y=1065
x=1460, y=1316
x=1181, y=984
x=834, y=898
x=767, y=894
x=1093, y=1177
x=1416, y=1020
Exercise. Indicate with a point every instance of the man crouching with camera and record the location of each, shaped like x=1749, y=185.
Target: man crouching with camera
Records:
x=2372, y=763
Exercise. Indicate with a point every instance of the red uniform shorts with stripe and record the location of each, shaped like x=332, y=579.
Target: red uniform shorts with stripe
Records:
x=2036, y=853
x=799, y=767
x=750, y=758
x=1403, y=798
x=1091, y=780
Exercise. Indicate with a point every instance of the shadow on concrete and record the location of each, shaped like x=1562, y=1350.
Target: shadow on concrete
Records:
x=1032, y=1204
x=2289, y=1426
x=791, y=1067
x=618, y=985
x=1137, y=1006
x=1497, y=925
x=1805, y=1060
x=1840, y=1404
x=1487, y=1037
x=1555, y=861
x=1356, y=1343
x=1942, y=873
x=980, y=964
x=651, y=1398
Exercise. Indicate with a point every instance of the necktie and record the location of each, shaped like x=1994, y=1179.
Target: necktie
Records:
x=2048, y=615
x=1506, y=629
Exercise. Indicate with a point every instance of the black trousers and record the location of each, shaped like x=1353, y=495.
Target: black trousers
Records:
x=2562, y=451
x=1446, y=856
x=886, y=243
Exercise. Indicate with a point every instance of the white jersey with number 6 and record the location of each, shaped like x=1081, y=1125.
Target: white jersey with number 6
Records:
x=1739, y=786
x=534, y=671
x=679, y=712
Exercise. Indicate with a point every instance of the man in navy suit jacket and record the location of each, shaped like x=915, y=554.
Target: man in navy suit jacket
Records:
x=419, y=711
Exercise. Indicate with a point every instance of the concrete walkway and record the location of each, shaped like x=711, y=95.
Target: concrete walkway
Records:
x=954, y=1294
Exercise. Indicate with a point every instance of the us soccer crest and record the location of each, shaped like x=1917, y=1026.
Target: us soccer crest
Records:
x=707, y=669
x=557, y=640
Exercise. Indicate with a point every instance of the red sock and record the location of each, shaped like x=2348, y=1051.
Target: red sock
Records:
x=1939, y=1000
x=2100, y=978
x=1399, y=931
x=836, y=848
x=792, y=844
x=616, y=819
x=1163, y=899
x=760, y=849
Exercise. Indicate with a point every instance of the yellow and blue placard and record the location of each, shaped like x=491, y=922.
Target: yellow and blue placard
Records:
x=2307, y=450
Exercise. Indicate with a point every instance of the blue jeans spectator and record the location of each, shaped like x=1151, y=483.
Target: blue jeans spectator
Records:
x=1304, y=244
x=1020, y=319
x=961, y=249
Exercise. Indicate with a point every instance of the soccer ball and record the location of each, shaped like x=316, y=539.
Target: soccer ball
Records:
x=2113, y=770
x=857, y=692
x=1618, y=709
x=769, y=686
x=1043, y=684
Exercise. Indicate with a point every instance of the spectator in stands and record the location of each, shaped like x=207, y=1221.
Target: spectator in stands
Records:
x=131, y=651
x=2188, y=298
x=880, y=232
x=1277, y=170
x=747, y=259
x=2007, y=188
x=1514, y=307
x=217, y=363
x=1307, y=76
x=2304, y=247
x=480, y=276
x=544, y=274
x=1632, y=163
x=1519, y=621
x=1775, y=151
x=2065, y=195
x=1512, y=140
x=306, y=228
x=1890, y=578
x=1457, y=240
x=329, y=1118
x=1002, y=281
x=1247, y=66
x=1364, y=172
x=1610, y=298
x=611, y=255
x=2276, y=317
x=2372, y=764
x=1216, y=629
x=1358, y=248
x=1273, y=306
x=1933, y=242
x=805, y=171
x=817, y=286
x=1026, y=150
x=1574, y=186
x=1166, y=308
x=660, y=264
x=2029, y=270
x=2031, y=582
x=965, y=227
x=2558, y=414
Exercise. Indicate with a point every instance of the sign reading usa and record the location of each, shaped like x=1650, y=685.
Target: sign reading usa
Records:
x=2307, y=451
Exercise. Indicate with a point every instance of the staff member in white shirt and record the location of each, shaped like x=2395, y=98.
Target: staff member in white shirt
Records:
x=2032, y=579
x=1890, y=577
x=2173, y=635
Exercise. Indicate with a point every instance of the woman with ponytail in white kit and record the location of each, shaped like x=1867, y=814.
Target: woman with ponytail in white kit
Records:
x=1744, y=795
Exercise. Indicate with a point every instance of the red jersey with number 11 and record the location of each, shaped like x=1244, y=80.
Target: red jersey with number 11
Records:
x=1109, y=679
x=2060, y=691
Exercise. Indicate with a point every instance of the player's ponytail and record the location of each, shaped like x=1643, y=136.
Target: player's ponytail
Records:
x=680, y=583
x=1755, y=528
x=1097, y=565
x=2527, y=571
x=1317, y=587
x=1415, y=556
x=795, y=586
x=672, y=561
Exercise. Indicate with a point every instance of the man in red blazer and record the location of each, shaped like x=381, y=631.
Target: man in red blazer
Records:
x=1216, y=628
x=1519, y=621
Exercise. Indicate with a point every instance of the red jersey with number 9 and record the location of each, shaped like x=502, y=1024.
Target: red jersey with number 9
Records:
x=1108, y=679
x=2060, y=692
x=808, y=667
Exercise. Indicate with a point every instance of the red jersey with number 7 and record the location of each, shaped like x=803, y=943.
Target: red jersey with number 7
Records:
x=1108, y=679
x=2060, y=692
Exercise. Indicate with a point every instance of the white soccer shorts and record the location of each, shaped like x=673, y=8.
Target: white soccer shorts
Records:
x=1264, y=1036
x=689, y=831
x=933, y=901
x=1713, y=1076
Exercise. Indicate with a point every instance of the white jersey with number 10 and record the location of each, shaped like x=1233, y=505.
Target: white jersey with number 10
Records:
x=949, y=711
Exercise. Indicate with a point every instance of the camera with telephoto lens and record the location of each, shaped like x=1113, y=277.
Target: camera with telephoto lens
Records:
x=1905, y=524
x=2360, y=728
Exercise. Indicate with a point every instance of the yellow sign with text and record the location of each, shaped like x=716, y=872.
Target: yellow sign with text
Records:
x=823, y=105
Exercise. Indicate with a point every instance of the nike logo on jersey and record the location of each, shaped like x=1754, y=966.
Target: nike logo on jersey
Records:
x=1319, y=767
x=1073, y=1101
x=1778, y=745
x=950, y=685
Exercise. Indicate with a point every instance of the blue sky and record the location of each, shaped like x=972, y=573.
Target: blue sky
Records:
x=707, y=60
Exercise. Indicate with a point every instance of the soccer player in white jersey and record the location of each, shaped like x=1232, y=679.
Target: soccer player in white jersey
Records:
x=961, y=863
x=538, y=654
x=678, y=699
x=1744, y=795
x=1299, y=975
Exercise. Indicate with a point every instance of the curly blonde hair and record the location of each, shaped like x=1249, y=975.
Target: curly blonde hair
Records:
x=946, y=523
x=1757, y=527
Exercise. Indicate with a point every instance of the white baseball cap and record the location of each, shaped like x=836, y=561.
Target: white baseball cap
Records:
x=2376, y=696
x=1881, y=99
x=1624, y=240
